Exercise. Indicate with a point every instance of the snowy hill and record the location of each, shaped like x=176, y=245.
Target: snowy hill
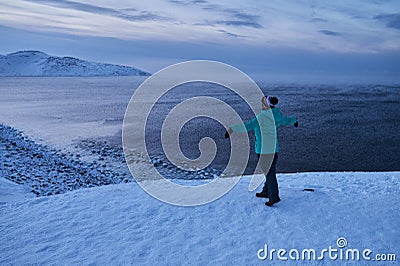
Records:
x=121, y=224
x=35, y=63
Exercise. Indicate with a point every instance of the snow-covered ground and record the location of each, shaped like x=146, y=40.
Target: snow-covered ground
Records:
x=121, y=224
x=12, y=192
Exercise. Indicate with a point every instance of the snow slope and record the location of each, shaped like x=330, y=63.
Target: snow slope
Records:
x=121, y=224
x=10, y=191
x=36, y=63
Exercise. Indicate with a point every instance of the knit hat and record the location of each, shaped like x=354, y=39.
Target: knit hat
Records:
x=272, y=100
x=268, y=101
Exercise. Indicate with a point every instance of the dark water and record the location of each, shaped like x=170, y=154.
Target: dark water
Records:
x=342, y=128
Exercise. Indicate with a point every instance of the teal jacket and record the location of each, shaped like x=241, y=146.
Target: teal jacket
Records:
x=265, y=143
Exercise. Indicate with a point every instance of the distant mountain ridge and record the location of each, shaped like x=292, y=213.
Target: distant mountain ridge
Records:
x=36, y=63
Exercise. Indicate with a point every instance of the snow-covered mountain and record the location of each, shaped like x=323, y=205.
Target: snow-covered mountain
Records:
x=36, y=63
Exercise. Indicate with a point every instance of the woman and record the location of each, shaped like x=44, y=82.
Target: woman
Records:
x=264, y=129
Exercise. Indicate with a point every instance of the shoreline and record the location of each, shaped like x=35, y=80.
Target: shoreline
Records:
x=86, y=163
x=46, y=171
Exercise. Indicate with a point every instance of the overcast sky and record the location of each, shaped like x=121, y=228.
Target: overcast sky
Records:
x=279, y=40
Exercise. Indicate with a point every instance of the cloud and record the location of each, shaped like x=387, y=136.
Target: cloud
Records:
x=178, y=2
x=244, y=16
x=185, y=3
x=390, y=20
x=232, y=34
x=239, y=23
x=233, y=13
x=317, y=20
x=199, y=1
x=291, y=24
x=330, y=33
x=234, y=16
x=130, y=14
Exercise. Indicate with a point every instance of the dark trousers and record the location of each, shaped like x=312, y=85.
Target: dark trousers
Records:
x=271, y=183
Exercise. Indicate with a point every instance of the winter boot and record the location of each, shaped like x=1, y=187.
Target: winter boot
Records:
x=272, y=202
x=262, y=195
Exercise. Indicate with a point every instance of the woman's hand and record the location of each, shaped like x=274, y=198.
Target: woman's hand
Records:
x=228, y=133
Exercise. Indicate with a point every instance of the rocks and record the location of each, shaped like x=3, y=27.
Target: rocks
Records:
x=170, y=171
x=45, y=170
x=91, y=163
